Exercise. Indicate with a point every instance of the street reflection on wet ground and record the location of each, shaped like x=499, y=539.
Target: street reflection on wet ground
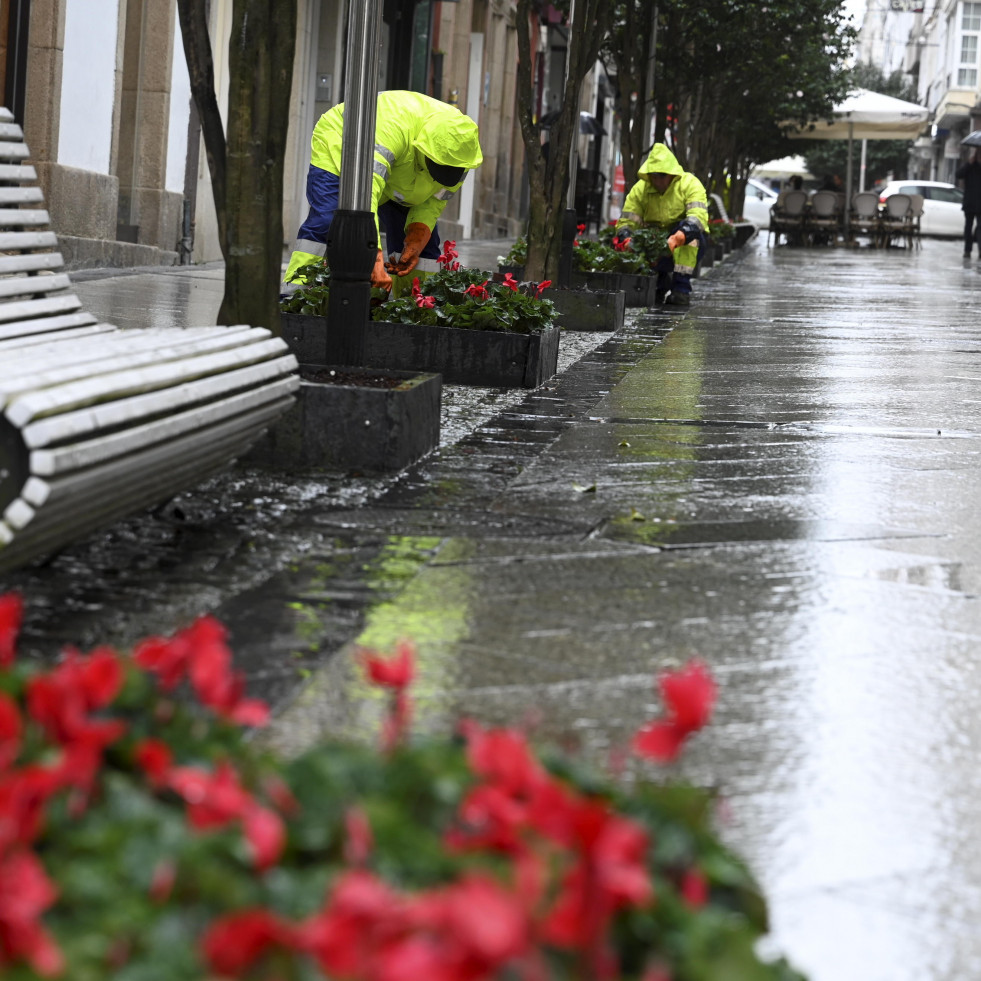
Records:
x=784, y=482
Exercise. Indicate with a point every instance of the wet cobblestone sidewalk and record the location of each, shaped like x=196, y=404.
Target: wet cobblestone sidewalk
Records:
x=784, y=481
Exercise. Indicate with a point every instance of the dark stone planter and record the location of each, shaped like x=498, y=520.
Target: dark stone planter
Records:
x=517, y=271
x=586, y=309
x=463, y=357
x=638, y=290
x=355, y=426
x=745, y=230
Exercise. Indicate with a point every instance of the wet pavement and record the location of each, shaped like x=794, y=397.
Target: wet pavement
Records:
x=782, y=481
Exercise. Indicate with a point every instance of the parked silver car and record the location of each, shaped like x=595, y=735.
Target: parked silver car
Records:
x=942, y=211
x=760, y=198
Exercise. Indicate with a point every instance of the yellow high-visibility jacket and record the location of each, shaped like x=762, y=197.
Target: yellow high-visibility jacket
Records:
x=684, y=198
x=409, y=127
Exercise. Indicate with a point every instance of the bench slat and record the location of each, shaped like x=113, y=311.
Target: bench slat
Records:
x=25, y=285
x=44, y=328
x=21, y=195
x=13, y=151
x=32, y=217
x=152, y=474
x=19, y=173
x=69, y=333
x=84, y=421
x=24, y=309
x=77, y=456
x=55, y=353
x=9, y=130
x=103, y=392
x=6, y=116
x=33, y=369
x=27, y=240
x=30, y=261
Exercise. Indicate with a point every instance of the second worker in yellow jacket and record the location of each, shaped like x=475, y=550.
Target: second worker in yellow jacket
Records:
x=666, y=196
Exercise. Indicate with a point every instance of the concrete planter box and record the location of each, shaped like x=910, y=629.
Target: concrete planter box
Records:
x=586, y=309
x=638, y=290
x=463, y=357
x=369, y=420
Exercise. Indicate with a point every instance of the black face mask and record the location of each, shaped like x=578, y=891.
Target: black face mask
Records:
x=447, y=176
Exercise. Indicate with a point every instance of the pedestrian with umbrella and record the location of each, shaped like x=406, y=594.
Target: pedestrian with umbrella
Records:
x=970, y=173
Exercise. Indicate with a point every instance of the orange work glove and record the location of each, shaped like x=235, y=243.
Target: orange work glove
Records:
x=675, y=240
x=379, y=277
x=416, y=239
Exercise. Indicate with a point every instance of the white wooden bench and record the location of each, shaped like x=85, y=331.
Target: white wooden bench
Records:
x=99, y=422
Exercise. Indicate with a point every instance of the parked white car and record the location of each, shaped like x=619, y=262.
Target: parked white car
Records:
x=760, y=198
x=942, y=211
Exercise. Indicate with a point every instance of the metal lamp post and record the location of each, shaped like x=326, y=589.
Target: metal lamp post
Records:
x=569, y=221
x=352, y=240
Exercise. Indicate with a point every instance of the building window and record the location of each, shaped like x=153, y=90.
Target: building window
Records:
x=967, y=71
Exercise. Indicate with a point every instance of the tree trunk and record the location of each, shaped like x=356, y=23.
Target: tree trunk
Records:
x=629, y=51
x=261, y=69
x=247, y=168
x=549, y=178
x=193, y=15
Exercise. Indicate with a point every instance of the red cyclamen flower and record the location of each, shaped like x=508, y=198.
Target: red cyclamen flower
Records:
x=235, y=942
x=510, y=282
x=215, y=800
x=690, y=696
x=11, y=615
x=542, y=286
x=394, y=672
x=25, y=893
x=201, y=654
x=478, y=292
x=580, y=228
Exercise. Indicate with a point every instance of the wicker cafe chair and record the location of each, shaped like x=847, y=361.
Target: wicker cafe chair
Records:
x=824, y=220
x=863, y=218
x=896, y=220
x=787, y=218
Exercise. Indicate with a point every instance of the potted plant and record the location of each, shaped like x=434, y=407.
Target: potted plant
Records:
x=456, y=322
x=514, y=260
x=577, y=308
x=721, y=234
x=616, y=260
x=145, y=834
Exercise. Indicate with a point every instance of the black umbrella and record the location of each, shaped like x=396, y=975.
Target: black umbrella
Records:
x=972, y=139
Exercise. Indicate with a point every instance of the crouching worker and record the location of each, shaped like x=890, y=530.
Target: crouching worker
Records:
x=668, y=197
x=423, y=150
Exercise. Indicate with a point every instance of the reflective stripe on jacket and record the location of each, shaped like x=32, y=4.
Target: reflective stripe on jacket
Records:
x=684, y=198
x=409, y=127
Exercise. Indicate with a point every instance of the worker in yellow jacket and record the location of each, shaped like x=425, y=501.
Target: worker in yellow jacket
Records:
x=423, y=150
x=668, y=197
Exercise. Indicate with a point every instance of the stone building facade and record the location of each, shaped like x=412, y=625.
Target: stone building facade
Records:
x=102, y=91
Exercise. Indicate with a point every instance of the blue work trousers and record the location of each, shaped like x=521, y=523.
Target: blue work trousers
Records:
x=667, y=278
x=323, y=193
